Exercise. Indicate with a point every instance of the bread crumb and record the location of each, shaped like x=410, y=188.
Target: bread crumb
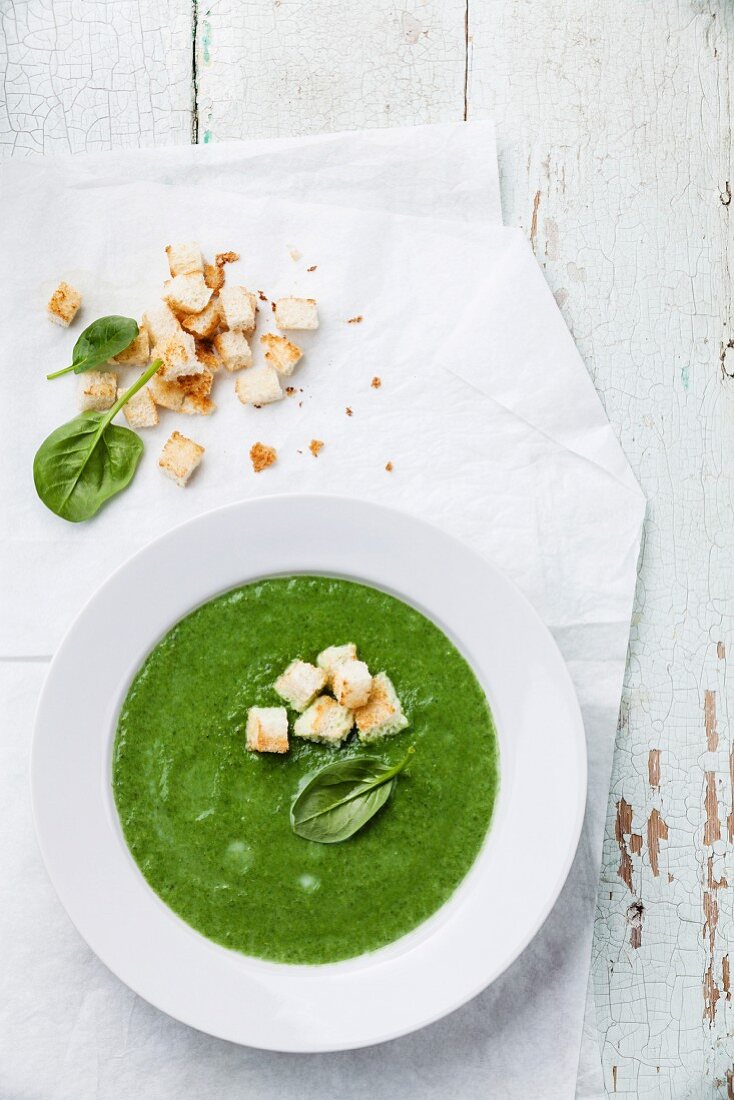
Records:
x=313, y=268
x=223, y=258
x=356, y=320
x=295, y=254
x=349, y=410
x=262, y=456
x=376, y=383
x=272, y=306
x=389, y=467
x=290, y=390
x=316, y=446
x=262, y=297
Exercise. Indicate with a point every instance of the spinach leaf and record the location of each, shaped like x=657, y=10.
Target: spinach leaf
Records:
x=85, y=462
x=342, y=797
x=99, y=342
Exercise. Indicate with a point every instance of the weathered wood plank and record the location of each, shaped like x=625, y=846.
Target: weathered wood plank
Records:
x=265, y=70
x=614, y=129
x=81, y=75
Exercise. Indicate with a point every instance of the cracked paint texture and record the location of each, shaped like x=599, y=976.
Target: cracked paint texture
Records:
x=614, y=131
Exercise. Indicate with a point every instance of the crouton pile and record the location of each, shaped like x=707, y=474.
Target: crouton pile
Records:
x=200, y=327
x=356, y=699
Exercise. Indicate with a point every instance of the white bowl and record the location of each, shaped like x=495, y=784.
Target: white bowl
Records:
x=447, y=960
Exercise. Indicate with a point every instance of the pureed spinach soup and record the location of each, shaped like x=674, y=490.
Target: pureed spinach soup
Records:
x=208, y=822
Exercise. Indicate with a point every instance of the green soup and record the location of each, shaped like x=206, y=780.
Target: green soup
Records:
x=208, y=822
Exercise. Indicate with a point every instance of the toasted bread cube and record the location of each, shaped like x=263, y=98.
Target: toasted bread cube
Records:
x=179, y=356
x=140, y=410
x=330, y=657
x=98, y=390
x=187, y=293
x=352, y=683
x=300, y=684
x=185, y=259
x=136, y=354
x=63, y=304
x=161, y=324
x=180, y=457
x=207, y=356
x=203, y=325
x=267, y=729
x=326, y=721
x=187, y=394
x=382, y=715
x=239, y=307
x=281, y=353
x=296, y=313
x=258, y=386
x=214, y=277
x=233, y=349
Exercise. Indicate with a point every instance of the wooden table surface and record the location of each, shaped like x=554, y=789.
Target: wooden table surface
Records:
x=615, y=136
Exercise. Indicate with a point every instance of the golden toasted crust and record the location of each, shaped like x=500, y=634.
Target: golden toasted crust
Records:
x=378, y=709
x=138, y=353
x=188, y=394
x=140, y=411
x=262, y=456
x=207, y=356
x=180, y=457
x=280, y=352
x=205, y=324
x=63, y=304
x=213, y=277
x=223, y=258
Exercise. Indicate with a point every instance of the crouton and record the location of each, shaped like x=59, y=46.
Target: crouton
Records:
x=330, y=657
x=281, y=353
x=140, y=410
x=161, y=323
x=207, y=356
x=233, y=349
x=98, y=390
x=178, y=354
x=63, y=304
x=296, y=313
x=326, y=721
x=187, y=293
x=136, y=354
x=300, y=684
x=382, y=715
x=214, y=277
x=189, y=393
x=238, y=306
x=267, y=729
x=258, y=386
x=262, y=456
x=180, y=457
x=204, y=324
x=185, y=259
x=352, y=683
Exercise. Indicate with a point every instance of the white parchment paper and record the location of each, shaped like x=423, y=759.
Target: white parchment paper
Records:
x=494, y=431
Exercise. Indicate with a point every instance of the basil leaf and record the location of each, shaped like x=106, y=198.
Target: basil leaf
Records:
x=85, y=462
x=99, y=343
x=342, y=797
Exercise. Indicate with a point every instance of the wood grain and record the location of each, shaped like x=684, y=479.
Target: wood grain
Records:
x=615, y=144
